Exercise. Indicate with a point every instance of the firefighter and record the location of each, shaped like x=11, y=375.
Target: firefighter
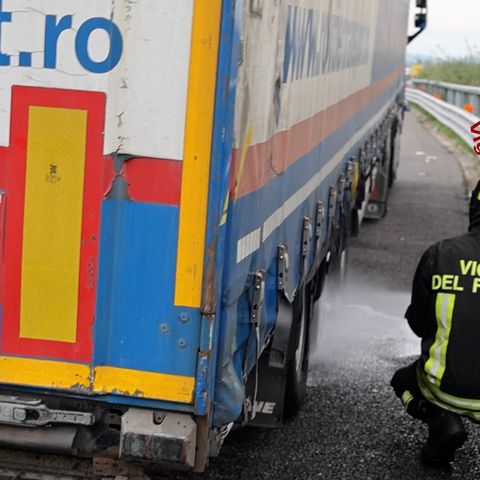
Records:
x=443, y=385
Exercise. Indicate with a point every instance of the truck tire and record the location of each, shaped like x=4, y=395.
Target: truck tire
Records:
x=297, y=366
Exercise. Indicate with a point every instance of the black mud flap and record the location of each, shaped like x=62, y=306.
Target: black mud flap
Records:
x=270, y=374
x=269, y=403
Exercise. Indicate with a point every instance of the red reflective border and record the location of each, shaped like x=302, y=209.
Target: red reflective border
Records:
x=12, y=179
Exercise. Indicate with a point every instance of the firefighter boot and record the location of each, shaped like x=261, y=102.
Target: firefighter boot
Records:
x=446, y=434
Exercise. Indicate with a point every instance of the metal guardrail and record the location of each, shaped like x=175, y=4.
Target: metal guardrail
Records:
x=453, y=93
x=457, y=119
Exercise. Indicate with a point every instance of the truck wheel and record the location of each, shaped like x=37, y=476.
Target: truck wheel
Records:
x=297, y=366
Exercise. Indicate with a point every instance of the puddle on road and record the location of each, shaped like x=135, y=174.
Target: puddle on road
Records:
x=349, y=323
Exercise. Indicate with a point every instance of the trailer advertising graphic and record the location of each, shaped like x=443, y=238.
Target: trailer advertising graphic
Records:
x=316, y=44
x=110, y=47
x=54, y=26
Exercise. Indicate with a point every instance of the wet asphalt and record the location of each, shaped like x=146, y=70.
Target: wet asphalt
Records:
x=352, y=426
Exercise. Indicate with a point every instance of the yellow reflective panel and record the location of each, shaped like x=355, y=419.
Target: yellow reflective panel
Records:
x=162, y=386
x=44, y=373
x=103, y=379
x=52, y=223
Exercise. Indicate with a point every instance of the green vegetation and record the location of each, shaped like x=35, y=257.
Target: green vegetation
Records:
x=465, y=71
x=427, y=118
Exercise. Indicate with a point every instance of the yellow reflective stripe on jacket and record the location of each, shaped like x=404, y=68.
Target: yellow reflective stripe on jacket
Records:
x=435, y=365
x=463, y=406
x=407, y=397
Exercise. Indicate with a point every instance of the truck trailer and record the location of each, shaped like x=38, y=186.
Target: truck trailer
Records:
x=177, y=178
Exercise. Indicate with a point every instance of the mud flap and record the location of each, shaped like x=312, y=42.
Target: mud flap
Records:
x=272, y=377
x=270, y=394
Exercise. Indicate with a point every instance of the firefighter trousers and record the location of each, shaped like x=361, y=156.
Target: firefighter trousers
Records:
x=404, y=383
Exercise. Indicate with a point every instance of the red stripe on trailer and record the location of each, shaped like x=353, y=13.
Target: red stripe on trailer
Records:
x=154, y=180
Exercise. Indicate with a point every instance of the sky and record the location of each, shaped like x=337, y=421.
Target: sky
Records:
x=452, y=24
